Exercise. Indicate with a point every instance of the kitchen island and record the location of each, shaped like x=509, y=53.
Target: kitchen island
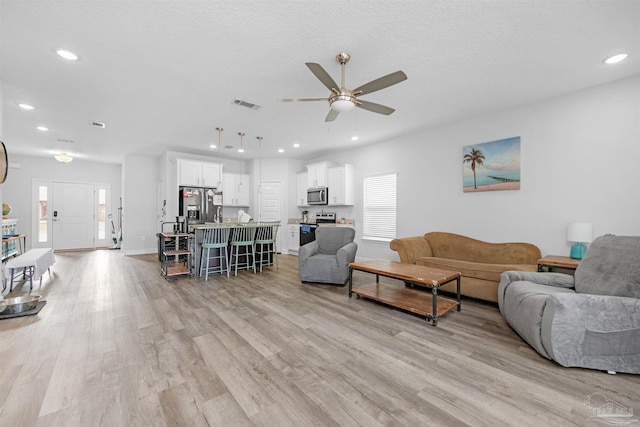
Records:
x=198, y=232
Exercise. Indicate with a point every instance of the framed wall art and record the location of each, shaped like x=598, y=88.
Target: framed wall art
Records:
x=491, y=166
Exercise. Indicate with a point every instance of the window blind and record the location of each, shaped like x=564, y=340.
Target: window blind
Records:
x=379, y=207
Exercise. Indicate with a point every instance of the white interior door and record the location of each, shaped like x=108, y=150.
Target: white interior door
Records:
x=73, y=216
x=270, y=200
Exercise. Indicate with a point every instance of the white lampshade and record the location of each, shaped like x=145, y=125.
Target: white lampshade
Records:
x=581, y=232
x=342, y=105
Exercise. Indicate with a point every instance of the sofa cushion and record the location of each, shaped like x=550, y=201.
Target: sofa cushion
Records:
x=477, y=270
x=610, y=267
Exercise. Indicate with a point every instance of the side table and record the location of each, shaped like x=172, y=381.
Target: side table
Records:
x=550, y=262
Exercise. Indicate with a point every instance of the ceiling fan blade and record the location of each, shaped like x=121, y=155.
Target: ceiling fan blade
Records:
x=376, y=108
x=302, y=99
x=331, y=116
x=322, y=75
x=381, y=83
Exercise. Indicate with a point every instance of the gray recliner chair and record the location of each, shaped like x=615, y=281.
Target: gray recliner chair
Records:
x=590, y=320
x=326, y=260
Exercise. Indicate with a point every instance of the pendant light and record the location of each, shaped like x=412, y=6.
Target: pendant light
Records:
x=259, y=138
x=240, y=150
x=219, y=184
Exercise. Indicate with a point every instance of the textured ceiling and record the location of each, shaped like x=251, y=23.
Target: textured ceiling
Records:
x=163, y=74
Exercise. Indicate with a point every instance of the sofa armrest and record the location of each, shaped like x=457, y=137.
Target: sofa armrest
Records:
x=411, y=248
x=305, y=251
x=560, y=280
x=347, y=254
x=596, y=331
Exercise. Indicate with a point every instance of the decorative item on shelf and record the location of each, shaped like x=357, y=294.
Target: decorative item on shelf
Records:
x=6, y=210
x=219, y=184
x=579, y=233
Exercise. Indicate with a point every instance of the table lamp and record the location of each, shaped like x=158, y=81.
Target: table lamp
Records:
x=579, y=233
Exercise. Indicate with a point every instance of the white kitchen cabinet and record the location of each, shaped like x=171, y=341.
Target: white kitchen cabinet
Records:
x=293, y=238
x=198, y=174
x=317, y=174
x=341, y=183
x=210, y=174
x=235, y=190
x=301, y=189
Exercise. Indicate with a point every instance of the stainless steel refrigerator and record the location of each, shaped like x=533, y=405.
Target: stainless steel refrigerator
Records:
x=200, y=205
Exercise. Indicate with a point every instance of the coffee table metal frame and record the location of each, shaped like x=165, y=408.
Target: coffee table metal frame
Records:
x=438, y=278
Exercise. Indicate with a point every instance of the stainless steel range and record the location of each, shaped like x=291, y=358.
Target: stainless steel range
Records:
x=308, y=229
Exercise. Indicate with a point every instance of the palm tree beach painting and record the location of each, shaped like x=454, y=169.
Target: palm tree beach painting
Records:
x=491, y=166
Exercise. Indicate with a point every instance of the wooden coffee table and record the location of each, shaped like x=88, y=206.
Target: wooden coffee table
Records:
x=406, y=297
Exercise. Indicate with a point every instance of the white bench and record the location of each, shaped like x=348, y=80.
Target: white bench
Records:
x=36, y=261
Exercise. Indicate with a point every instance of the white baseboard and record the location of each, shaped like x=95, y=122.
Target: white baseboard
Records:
x=143, y=251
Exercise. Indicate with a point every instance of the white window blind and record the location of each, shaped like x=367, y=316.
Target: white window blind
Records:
x=379, y=212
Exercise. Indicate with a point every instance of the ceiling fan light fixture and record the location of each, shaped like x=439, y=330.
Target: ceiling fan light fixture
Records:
x=342, y=105
x=63, y=158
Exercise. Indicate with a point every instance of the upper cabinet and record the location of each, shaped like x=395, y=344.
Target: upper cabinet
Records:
x=301, y=189
x=317, y=174
x=198, y=174
x=341, y=183
x=235, y=190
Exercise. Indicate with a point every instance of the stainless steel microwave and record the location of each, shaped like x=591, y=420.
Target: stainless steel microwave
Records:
x=317, y=196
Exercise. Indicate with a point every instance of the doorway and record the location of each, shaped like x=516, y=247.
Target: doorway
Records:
x=70, y=215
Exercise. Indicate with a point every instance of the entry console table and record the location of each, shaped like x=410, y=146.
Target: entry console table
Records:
x=407, y=297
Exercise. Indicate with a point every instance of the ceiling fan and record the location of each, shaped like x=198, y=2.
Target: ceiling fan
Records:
x=343, y=99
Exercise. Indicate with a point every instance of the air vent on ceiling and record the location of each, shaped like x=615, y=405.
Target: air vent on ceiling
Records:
x=242, y=103
x=66, y=141
x=229, y=147
x=98, y=124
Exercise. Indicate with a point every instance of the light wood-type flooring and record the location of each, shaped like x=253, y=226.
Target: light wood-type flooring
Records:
x=118, y=345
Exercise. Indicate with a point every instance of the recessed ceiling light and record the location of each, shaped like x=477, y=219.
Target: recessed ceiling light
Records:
x=213, y=146
x=296, y=145
x=354, y=138
x=240, y=150
x=67, y=55
x=280, y=150
x=42, y=128
x=26, y=106
x=616, y=58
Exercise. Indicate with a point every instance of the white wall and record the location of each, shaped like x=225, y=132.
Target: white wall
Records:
x=17, y=187
x=580, y=155
x=140, y=205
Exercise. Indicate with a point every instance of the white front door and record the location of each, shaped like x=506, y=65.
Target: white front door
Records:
x=73, y=216
x=270, y=202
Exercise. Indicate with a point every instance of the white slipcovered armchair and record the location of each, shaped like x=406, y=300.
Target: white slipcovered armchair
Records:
x=327, y=259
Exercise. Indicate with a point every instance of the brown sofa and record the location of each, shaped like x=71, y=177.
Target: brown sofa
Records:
x=479, y=263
